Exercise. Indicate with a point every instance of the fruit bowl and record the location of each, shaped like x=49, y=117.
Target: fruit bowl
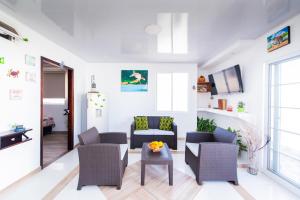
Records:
x=156, y=146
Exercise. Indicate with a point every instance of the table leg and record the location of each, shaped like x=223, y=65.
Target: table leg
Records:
x=170, y=168
x=143, y=173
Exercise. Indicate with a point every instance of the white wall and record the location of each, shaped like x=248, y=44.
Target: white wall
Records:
x=123, y=106
x=253, y=62
x=17, y=161
x=57, y=112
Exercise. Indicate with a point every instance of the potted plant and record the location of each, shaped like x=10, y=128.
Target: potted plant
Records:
x=206, y=125
x=239, y=141
x=241, y=107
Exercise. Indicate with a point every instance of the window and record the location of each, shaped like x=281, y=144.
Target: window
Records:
x=54, y=101
x=172, y=92
x=284, y=112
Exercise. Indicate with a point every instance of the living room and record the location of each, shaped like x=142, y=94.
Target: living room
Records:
x=181, y=116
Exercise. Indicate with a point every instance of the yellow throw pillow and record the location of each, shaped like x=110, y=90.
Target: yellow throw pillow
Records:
x=141, y=123
x=165, y=123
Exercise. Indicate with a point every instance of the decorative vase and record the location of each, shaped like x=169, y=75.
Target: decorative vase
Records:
x=243, y=155
x=253, y=162
x=201, y=79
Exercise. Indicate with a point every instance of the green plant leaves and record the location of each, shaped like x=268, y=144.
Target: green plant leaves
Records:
x=206, y=125
x=239, y=141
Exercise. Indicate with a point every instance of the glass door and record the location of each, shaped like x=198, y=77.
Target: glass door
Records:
x=284, y=120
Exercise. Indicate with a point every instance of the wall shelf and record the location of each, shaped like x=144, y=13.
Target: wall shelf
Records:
x=242, y=116
x=203, y=87
x=12, y=138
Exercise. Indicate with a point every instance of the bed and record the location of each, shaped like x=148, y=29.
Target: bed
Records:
x=48, y=125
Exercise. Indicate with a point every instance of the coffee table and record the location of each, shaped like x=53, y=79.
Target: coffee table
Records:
x=163, y=157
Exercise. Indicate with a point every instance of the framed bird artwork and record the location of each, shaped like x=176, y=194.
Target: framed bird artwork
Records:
x=134, y=80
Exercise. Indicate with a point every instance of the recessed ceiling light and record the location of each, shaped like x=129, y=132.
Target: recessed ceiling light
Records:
x=153, y=29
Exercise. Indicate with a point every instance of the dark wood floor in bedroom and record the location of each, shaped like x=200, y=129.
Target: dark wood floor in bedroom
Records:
x=55, y=145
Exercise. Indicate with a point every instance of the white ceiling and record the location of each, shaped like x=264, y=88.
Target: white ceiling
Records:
x=113, y=30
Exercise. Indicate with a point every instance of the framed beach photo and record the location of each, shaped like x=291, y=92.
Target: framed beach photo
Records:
x=279, y=39
x=134, y=80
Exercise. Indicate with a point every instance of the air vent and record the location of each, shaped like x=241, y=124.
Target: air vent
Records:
x=8, y=32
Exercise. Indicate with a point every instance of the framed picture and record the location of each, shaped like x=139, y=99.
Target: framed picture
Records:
x=134, y=80
x=203, y=87
x=30, y=60
x=30, y=77
x=15, y=94
x=279, y=39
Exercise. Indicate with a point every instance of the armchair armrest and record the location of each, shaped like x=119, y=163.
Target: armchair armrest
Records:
x=215, y=152
x=197, y=137
x=99, y=160
x=96, y=150
x=113, y=138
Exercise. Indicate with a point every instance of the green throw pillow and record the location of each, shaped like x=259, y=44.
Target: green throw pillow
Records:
x=166, y=123
x=141, y=123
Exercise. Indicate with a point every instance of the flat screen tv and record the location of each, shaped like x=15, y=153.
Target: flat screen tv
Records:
x=226, y=81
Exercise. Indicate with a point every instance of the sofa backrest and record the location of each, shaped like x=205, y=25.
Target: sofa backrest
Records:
x=153, y=122
x=223, y=135
x=91, y=136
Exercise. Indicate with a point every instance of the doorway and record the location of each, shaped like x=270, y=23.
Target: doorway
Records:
x=57, y=111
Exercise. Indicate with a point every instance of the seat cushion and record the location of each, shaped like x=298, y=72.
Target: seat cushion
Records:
x=165, y=123
x=123, y=149
x=143, y=132
x=153, y=132
x=193, y=147
x=141, y=123
x=162, y=132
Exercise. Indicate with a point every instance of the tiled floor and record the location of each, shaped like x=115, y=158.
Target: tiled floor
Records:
x=40, y=184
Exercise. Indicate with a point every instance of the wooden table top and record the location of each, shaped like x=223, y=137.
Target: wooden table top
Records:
x=163, y=156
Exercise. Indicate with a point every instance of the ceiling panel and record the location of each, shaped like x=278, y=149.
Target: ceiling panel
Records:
x=113, y=30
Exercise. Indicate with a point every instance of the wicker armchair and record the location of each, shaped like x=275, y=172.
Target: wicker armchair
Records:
x=102, y=158
x=212, y=156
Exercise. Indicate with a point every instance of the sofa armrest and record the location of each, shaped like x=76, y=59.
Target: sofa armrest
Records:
x=132, y=128
x=174, y=128
x=197, y=137
x=113, y=138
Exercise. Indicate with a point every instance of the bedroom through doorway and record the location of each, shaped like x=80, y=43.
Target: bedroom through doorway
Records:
x=56, y=111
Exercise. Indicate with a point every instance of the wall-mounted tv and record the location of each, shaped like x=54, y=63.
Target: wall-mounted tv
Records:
x=226, y=81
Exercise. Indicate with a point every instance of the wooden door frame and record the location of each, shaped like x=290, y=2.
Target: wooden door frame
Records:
x=70, y=73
